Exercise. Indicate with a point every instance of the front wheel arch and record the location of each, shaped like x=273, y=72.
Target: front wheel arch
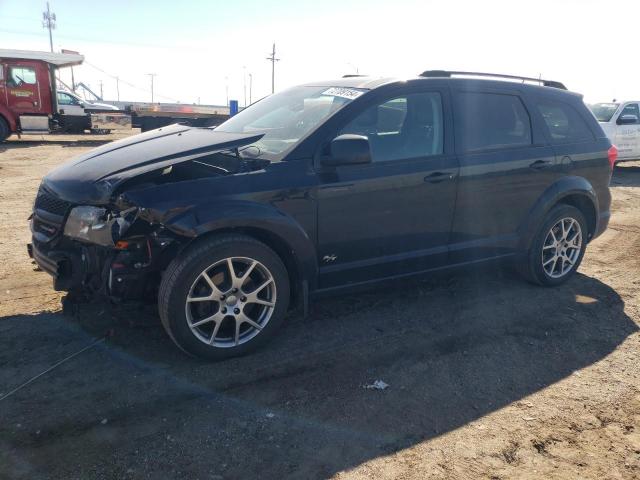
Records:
x=298, y=274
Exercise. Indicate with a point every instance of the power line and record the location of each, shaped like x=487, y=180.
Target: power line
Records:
x=119, y=80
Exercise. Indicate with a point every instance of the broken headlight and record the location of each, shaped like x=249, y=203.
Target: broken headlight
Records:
x=96, y=225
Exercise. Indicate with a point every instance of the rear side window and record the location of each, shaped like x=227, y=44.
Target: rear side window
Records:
x=564, y=123
x=490, y=121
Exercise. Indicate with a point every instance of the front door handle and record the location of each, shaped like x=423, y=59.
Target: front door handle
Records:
x=540, y=164
x=437, y=177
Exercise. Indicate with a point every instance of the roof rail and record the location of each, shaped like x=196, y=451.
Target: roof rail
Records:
x=446, y=73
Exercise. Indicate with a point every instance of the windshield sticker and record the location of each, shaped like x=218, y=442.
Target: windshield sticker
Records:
x=350, y=93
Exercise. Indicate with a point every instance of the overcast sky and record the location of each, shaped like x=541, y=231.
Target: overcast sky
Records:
x=196, y=47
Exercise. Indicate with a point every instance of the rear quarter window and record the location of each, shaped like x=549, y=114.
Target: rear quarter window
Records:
x=564, y=123
x=486, y=121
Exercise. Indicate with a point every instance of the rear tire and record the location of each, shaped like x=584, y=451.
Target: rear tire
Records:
x=557, y=248
x=224, y=296
x=4, y=130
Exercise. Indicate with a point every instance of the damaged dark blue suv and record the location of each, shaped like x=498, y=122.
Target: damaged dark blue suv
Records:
x=326, y=186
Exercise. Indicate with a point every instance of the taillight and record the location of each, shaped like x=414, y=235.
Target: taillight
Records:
x=613, y=156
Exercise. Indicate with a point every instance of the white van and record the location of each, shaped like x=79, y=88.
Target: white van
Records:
x=621, y=122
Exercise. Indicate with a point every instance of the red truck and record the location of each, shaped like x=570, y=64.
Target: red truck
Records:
x=28, y=99
x=30, y=103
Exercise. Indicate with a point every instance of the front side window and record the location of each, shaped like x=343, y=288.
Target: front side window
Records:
x=564, y=123
x=405, y=127
x=21, y=76
x=604, y=111
x=489, y=121
x=631, y=109
x=286, y=117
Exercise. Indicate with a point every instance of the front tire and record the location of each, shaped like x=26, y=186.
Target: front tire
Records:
x=4, y=130
x=224, y=296
x=557, y=248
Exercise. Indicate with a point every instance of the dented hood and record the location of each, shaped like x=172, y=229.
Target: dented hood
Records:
x=92, y=177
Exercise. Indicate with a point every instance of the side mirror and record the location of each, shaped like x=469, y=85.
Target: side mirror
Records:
x=627, y=120
x=348, y=149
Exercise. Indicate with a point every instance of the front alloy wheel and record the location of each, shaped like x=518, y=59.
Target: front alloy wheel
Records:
x=224, y=296
x=230, y=302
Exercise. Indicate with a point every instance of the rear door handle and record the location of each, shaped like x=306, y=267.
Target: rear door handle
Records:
x=540, y=164
x=437, y=177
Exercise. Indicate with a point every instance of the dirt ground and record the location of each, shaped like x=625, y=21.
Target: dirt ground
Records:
x=489, y=377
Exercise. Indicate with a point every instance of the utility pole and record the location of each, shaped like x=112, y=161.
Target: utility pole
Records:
x=250, y=88
x=244, y=82
x=272, y=58
x=101, y=94
x=49, y=22
x=118, y=87
x=152, y=75
x=226, y=88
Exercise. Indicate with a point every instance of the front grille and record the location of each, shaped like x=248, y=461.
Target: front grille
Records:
x=50, y=203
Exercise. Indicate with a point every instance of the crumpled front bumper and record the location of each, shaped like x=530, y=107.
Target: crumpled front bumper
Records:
x=67, y=267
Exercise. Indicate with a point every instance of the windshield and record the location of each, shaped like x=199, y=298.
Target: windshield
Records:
x=286, y=117
x=604, y=111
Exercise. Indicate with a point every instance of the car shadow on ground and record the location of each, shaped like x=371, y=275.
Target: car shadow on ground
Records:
x=452, y=350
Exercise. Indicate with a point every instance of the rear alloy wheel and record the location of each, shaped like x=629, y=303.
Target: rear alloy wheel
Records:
x=562, y=247
x=558, y=247
x=224, y=296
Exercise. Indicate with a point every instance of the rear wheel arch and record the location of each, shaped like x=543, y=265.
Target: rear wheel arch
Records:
x=586, y=205
x=571, y=190
x=558, y=238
